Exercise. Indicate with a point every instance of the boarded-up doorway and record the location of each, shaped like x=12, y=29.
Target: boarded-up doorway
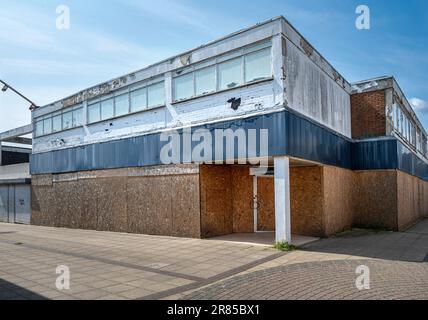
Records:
x=265, y=204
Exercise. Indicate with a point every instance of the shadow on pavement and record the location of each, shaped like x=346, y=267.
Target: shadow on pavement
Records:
x=411, y=245
x=10, y=291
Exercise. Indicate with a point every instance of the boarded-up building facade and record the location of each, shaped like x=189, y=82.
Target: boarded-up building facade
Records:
x=337, y=155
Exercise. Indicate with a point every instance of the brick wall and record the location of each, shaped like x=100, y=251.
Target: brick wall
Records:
x=368, y=114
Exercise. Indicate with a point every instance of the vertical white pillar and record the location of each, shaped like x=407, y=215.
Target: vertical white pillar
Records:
x=255, y=203
x=169, y=99
x=282, y=199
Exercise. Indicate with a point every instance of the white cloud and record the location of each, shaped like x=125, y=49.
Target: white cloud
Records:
x=419, y=105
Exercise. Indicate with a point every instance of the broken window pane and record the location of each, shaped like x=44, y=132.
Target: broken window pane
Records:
x=67, y=120
x=258, y=66
x=57, y=123
x=230, y=74
x=156, y=94
x=205, y=81
x=139, y=100
x=77, y=117
x=183, y=87
x=94, y=113
x=121, y=104
x=107, y=110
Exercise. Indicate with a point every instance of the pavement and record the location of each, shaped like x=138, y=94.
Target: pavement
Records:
x=326, y=270
x=263, y=238
x=112, y=266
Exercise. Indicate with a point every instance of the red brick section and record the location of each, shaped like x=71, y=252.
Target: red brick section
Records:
x=368, y=114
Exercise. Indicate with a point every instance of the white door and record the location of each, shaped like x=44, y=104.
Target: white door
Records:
x=22, y=204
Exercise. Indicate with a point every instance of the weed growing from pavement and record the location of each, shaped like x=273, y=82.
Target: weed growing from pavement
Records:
x=284, y=246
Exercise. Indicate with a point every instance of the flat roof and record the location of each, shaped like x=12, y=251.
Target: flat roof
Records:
x=15, y=149
x=97, y=88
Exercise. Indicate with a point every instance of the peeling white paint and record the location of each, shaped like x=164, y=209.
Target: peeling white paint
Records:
x=312, y=92
x=304, y=81
x=364, y=87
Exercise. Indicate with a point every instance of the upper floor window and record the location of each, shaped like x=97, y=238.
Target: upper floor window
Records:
x=239, y=67
x=257, y=66
x=230, y=74
x=122, y=104
x=407, y=129
x=225, y=72
x=61, y=120
x=147, y=97
x=205, y=81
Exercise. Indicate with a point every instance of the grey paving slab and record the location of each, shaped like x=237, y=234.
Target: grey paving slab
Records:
x=390, y=280
x=105, y=265
x=114, y=266
x=404, y=246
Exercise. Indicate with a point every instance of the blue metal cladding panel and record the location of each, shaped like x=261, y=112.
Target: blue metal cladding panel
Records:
x=307, y=140
x=374, y=154
x=289, y=134
x=411, y=163
x=274, y=123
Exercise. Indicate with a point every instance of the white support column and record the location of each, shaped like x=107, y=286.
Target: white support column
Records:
x=282, y=199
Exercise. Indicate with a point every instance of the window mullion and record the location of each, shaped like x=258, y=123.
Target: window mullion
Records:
x=216, y=76
x=147, y=97
x=194, y=84
x=243, y=70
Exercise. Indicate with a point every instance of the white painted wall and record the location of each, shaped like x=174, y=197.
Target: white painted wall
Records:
x=312, y=92
x=15, y=171
x=307, y=83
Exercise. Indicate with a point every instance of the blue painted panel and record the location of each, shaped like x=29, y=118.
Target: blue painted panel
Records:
x=308, y=140
x=411, y=163
x=374, y=154
x=289, y=134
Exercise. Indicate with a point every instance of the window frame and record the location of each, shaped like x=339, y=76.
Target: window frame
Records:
x=127, y=94
x=264, y=45
x=93, y=103
x=58, y=113
x=105, y=100
x=144, y=85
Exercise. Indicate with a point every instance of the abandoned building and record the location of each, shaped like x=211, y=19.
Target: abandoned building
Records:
x=338, y=154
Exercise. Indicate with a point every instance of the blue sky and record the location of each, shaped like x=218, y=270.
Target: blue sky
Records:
x=111, y=38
